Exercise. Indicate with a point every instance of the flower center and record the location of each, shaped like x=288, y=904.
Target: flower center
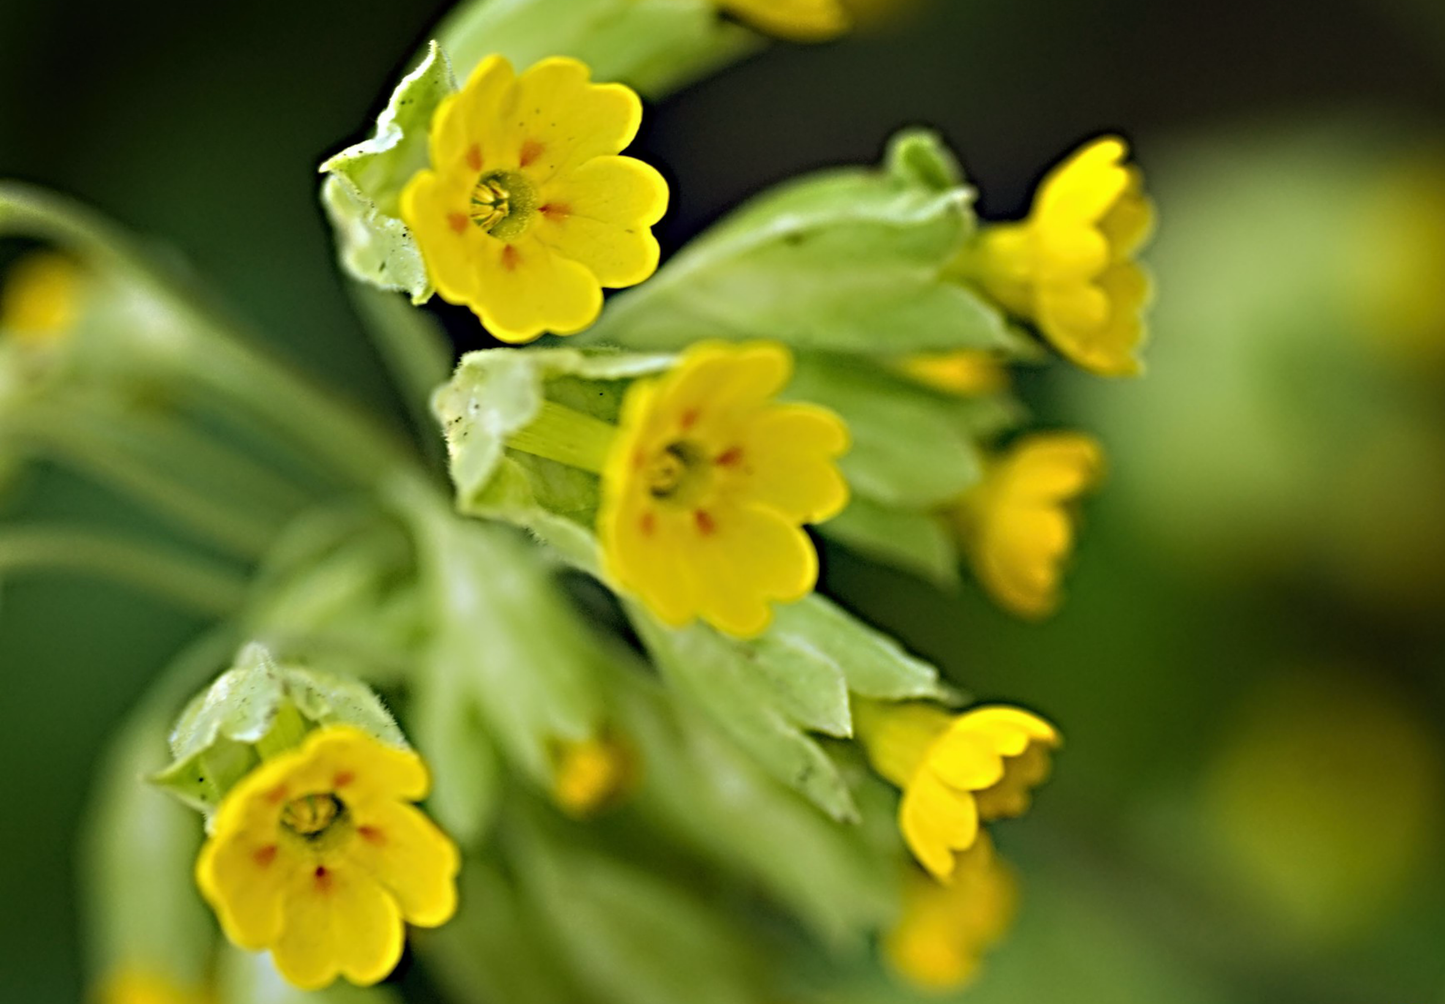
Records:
x=502, y=204
x=680, y=473
x=311, y=815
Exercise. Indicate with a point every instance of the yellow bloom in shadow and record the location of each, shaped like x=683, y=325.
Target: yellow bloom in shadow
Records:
x=1070, y=266
x=592, y=774
x=318, y=856
x=798, y=20
x=41, y=298
x=955, y=771
x=946, y=928
x=1016, y=525
x=708, y=483
x=527, y=211
x=966, y=372
x=140, y=986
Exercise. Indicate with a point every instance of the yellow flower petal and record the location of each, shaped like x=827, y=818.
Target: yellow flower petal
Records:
x=937, y=820
x=339, y=922
x=470, y=128
x=599, y=215
x=40, y=297
x=744, y=558
x=559, y=119
x=531, y=289
x=799, y=20
x=405, y=852
x=788, y=457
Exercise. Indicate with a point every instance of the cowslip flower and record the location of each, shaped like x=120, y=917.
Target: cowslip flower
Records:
x=946, y=928
x=40, y=298
x=591, y=774
x=955, y=771
x=318, y=856
x=1016, y=525
x=1070, y=267
x=142, y=986
x=707, y=485
x=799, y=20
x=965, y=372
x=527, y=211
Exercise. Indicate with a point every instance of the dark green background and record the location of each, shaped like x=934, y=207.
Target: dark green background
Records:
x=201, y=125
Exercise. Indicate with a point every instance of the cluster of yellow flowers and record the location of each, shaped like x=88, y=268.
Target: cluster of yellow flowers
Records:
x=706, y=475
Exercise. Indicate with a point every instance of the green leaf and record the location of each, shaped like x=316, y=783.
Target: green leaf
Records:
x=653, y=46
x=497, y=393
x=364, y=182
x=849, y=260
x=915, y=542
x=725, y=678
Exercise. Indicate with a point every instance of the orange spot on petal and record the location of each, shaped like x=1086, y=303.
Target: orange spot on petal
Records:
x=458, y=222
x=371, y=835
x=276, y=795
x=648, y=524
x=730, y=457
x=705, y=524
x=555, y=211
x=510, y=258
x=689, y=418
x=342, y=779
x=264, y=856
x=323, y=878
x=531, y=150
x=474, y=157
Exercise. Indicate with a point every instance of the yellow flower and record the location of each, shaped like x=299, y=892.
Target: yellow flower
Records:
x=139, y=986
x=799, y=20
x=708, y=482
x=1016, y=525
x=40, y=298
x=955, y=770
x=940, y=940
x=591, y=774
x=317, y=855
x=1069, y=268
x=527, y=212
x=966, y=372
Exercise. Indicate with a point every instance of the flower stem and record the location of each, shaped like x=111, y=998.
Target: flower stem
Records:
x=568, y=437
x=190, y=582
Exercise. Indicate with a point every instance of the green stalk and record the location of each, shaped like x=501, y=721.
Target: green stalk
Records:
x=566, y=436
x=189, y=582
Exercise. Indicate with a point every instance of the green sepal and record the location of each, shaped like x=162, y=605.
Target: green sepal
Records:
x=849, y=260
x=706, y=790
x=915, y=542
x=259, y=703
x=653, y=46
x=363, y=187
x=508, y=657
x=495, y=394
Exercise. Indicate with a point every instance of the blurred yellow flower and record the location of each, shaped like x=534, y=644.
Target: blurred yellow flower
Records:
x=317, y=856
x=1015, y=525
x=526, y=211
x=40, y=299
x=955, y=770
x=966, y=372
x=591, y=774
x=799, y=20
x=139, y=986
x=1069, y=267
x=708, y=482
x=939, y=941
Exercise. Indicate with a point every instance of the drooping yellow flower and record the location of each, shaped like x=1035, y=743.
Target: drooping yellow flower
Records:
x=1070, y=266
x=966, y=372
x=40, y=298
x=799, y=20
x=140, y=986
x=946, y=928
x=527, y=211
x=955, y=770
x=318, y=856
x=1016, y=524
x=708, y=483
x=591, y=774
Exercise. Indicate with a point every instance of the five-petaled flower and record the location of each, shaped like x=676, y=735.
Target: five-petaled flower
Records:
x=956, y=771
x=799, y=20
x=708, y=483
x=318, y=856
x=527, y=211
x=946, y=928
x=1070, y=266
x=1016, y=525
x=591, y=774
